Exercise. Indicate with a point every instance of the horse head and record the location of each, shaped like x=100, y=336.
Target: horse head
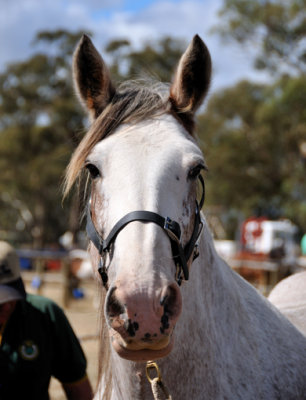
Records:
x=144, y=164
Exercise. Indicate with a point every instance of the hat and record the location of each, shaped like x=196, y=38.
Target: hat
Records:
x=11, y=284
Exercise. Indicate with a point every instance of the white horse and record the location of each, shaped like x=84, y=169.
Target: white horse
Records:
x=289, y=296
x=214, y=335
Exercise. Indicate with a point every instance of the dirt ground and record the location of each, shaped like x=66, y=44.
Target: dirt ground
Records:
x=82, y=314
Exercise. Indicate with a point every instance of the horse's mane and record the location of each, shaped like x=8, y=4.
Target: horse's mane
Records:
x=133, y=101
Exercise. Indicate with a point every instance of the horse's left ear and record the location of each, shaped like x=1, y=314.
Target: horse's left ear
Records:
x=91, y=77
x=192, y=78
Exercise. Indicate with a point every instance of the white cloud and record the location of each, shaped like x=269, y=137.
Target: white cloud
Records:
x=20, y=20
x=184, y=19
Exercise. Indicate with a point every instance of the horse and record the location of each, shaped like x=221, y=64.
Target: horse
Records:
x=289, y=297
x=166, y=295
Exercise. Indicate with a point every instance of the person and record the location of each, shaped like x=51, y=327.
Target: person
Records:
x=36, y=341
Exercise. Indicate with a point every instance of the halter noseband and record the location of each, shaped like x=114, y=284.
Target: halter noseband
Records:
x=180, y=254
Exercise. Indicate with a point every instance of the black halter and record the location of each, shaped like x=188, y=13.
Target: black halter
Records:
x=180, y=254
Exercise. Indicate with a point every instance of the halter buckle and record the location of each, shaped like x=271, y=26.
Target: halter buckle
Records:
x=170, y=233
x=167, y=225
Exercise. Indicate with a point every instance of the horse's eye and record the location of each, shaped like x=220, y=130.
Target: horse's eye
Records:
x=93, y=170
x=195, y=171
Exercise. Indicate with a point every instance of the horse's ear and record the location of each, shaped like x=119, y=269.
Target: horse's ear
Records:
x=91, y=77
x=192, y=78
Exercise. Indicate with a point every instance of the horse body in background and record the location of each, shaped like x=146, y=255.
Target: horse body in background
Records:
x=215, y=337
x=289, y=296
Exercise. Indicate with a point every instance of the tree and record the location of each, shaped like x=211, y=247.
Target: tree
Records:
x=39, y=122
x=155, y=59
x=276, y=28
x=252, y=136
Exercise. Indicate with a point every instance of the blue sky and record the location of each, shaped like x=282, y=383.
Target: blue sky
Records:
x=138, y=21
x=135, y=6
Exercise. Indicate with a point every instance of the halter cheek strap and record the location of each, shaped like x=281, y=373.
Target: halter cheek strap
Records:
x=180, y=254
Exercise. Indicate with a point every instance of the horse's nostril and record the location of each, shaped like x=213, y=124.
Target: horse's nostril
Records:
x=171, y=301
x=113, y=306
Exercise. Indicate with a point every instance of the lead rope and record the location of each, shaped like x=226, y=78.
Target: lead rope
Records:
x=159, y=389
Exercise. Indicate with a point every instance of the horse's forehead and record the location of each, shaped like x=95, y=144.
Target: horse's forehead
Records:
x=162, y=139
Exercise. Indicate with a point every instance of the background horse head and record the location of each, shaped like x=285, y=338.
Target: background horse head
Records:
x=215, y=336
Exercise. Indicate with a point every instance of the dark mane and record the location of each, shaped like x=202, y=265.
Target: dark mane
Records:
x=133, y=101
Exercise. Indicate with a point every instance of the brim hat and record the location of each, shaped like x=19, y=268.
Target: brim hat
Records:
x=11, y=284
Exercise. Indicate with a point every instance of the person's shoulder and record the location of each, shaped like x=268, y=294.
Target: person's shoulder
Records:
x=43, y=304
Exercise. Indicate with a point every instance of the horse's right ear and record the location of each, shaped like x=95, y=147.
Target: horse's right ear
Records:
x=91, y=77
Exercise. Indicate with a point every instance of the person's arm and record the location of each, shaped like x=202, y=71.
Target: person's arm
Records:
x=80, y=390
x=69, y=364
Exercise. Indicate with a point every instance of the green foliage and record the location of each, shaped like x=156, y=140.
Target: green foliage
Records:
x=39, y=121
x=276, y=28
x=252, y=136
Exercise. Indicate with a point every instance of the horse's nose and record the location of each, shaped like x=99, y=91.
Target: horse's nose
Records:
x=143, y=316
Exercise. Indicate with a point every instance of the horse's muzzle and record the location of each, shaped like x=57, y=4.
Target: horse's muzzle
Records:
x=140, y=322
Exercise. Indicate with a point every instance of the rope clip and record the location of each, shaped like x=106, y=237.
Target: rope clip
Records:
x=151, y=365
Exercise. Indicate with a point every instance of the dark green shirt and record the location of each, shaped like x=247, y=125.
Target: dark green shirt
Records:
x=38, y=342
